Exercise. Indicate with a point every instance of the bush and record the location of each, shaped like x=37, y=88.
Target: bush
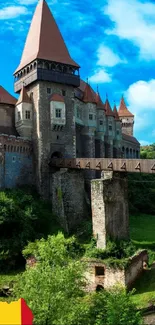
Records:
x=23, y=218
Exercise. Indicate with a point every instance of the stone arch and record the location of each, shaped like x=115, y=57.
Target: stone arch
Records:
x=56, y=154
x=46, y=65
x=99, y=288
x=127, y=152
x=28, y=69
x=130, y=152
x=31, y=67
x=35, y=64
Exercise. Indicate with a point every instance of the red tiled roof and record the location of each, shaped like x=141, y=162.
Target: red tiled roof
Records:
x=88, y=96
x=99, y=102
x=116, y=113
x=23, y=98
x=108, y=109
x=123, y=111
x=129, y=138
x=6, y=98
x=57, y=98
x=44, y=40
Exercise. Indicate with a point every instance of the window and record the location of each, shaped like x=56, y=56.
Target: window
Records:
x=27, y=115
x=117, y=132
x=101, y=122
x=13, y=159
x=91, y=116
x=63, y=93
x=99, y=271
x=58, y=113
x=19, y=116
x=110, y=127
x=49, y=91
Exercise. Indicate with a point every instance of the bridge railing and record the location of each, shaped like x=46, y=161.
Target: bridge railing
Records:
x=120, y=165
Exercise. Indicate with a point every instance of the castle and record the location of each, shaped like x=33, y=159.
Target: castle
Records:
x=57, y=114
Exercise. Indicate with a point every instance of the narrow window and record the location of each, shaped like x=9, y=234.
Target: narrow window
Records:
x=13, y=159
x=49, y=91
x=101, y=122
x=27, y=115
x=63, y=93
x=117, y=132
x=19, y=116
x=58, y=113
x=110, y=127
x=91, y=117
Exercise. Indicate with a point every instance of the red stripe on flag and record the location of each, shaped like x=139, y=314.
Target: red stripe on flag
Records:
x=26, y=314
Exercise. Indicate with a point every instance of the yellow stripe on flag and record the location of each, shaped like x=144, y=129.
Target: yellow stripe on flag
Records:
x=10, y=314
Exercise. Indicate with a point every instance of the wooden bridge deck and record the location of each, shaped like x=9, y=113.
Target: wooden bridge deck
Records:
x=120, y=165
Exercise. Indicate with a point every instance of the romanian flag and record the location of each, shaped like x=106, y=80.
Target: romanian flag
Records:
x=15, y=313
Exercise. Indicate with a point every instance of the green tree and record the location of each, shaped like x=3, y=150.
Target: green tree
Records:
x=54, y=289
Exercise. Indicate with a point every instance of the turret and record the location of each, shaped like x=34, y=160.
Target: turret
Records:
x=118, y=134
x=57, y=112
x=126, y=118
x=101, y=127
x=23, y=115
x=45, y=55
x=110, y=129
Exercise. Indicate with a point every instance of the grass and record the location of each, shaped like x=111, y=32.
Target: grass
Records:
x=142, y=232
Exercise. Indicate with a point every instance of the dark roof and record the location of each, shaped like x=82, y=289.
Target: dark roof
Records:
x=44, y=40
x=57, y=98
x=8, y=130
x=116, y=113
x=123, y=111
x=23, y=98
x=108, y=109
x=99, y=102
x=129, y=138
x=6, y=98
x=88, y=96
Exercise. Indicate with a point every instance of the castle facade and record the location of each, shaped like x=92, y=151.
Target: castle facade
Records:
x=57, y=114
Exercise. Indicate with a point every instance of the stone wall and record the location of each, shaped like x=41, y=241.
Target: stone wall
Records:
x=68, y=196
x=16, y=162
x=109, y=201
x=113, y=276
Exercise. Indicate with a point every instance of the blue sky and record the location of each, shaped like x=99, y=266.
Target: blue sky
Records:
x=112, y=40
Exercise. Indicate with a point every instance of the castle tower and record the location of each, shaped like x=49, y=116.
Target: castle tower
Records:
x=23, y=115
x=118, y=134
x=126, y=118
x=101, y=127
x=46, y=68
x=110, y=130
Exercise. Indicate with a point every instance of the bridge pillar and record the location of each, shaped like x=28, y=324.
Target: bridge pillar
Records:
x=109, y=202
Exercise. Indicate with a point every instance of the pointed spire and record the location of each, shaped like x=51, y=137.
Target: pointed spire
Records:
x=6, y=98
x=44, y=40
x=115, y=112
x=88, y=96
x=23, y=98
x=123, y=111
x=99, y=102
x=108, y=109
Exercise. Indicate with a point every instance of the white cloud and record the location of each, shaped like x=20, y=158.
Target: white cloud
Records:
x=100, y=76
x=141, y=95
x=133, y=20
x=106, y=57
x=12, y=12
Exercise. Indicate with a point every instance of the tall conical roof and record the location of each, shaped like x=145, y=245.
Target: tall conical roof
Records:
x=116, y=113
x=44, y=40
x=88, y=96
x=108, y=109
x=123, y=111
x=23, y=98
x=6, y=98
x=99, y=102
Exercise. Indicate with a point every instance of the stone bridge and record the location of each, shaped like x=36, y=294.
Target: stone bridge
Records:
x=108, y=202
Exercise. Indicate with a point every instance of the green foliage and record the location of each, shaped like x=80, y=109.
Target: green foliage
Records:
x=141, y=193
x=23, y=218
x=147, y=152
x=116, y=253
x=54, y=290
